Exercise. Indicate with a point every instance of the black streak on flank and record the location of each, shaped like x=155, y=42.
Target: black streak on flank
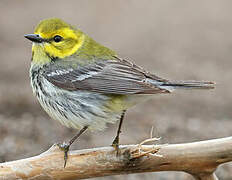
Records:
x=32, y=56
x=53, y=59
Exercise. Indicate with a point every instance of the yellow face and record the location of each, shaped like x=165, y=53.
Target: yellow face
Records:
x=54, y=39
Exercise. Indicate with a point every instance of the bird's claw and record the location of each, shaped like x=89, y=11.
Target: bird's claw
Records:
x=64, y=147
x=115, y=145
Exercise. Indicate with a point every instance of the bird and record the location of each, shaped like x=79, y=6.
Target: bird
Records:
x=85, y=85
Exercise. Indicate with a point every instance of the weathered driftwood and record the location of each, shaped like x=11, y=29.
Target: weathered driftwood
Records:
x=199, y=159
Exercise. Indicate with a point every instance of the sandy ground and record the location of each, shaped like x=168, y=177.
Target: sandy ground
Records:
x=174, y=39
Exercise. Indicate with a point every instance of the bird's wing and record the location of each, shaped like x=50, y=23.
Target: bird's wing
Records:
x=105, y=76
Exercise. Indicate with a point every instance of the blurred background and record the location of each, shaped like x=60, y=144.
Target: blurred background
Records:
x=175, y=39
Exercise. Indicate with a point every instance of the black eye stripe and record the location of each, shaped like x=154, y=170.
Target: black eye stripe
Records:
x=57, y=38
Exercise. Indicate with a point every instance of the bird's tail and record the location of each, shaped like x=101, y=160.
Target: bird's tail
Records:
x=189, y=84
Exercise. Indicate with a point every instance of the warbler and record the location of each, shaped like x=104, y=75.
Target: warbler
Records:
x=85, y=85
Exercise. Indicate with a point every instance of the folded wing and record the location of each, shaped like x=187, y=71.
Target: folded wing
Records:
x=110, y=77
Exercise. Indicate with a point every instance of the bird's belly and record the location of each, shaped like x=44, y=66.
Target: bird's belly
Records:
x=75, y=109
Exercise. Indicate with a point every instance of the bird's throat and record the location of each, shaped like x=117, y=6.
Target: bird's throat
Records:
x=39, y=56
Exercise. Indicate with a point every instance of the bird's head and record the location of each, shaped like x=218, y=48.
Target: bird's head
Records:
x=52, y=39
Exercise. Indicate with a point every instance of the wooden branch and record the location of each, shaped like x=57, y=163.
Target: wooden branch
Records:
x=199, y=159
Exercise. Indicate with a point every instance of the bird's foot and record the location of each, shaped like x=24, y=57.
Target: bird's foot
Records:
x=64, y=147
x=115, y=145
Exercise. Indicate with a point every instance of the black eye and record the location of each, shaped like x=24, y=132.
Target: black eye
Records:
x=57, y=38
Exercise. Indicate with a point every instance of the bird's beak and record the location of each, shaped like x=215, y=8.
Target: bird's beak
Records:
x=34, y=38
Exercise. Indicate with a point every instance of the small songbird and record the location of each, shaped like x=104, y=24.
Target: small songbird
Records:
x=85, y=85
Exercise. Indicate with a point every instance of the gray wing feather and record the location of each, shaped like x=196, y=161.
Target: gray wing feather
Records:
x=110, y=77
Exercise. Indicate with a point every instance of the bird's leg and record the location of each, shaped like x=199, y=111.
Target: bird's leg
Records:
x=65, y=146
x=115, y=143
